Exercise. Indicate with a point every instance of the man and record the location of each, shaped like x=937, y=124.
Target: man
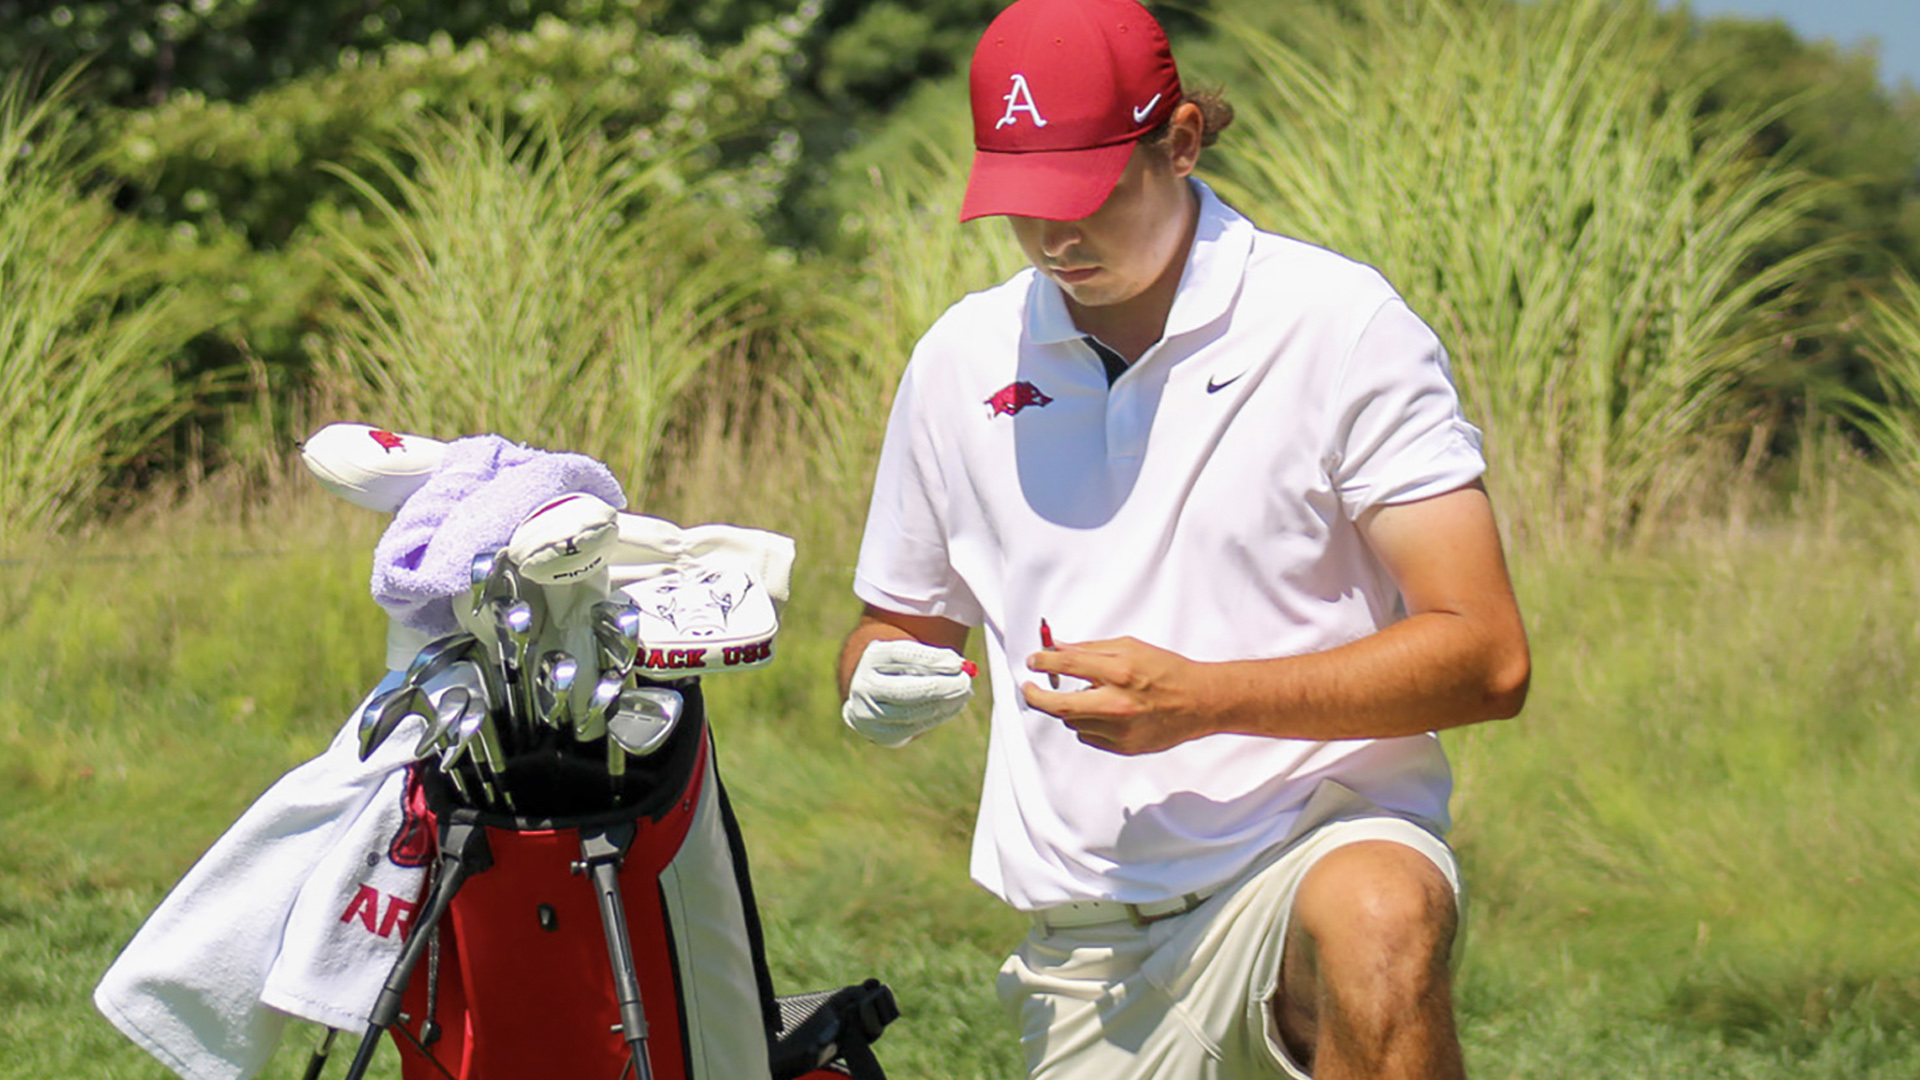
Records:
x=1230, y=471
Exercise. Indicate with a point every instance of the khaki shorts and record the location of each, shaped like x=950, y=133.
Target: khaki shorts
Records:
x=1186, y=997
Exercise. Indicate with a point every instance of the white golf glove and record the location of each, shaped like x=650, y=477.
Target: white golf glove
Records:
x=903, y=689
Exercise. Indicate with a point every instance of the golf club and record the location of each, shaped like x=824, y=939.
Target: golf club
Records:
x=437, y=656
x=553, y=690
x=447, y=711
x=592, y=722
x=514, y=623
x=616, y=630
x=646, y=716
x=384, y=714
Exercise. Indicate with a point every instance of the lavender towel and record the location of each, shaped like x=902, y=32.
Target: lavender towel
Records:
x=482, y=490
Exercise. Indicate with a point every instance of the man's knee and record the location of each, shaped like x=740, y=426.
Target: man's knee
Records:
x=1381, y=920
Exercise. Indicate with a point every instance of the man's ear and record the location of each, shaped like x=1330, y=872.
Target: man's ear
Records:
x=1185, y=132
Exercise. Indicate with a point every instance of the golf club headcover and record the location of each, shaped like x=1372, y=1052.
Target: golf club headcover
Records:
x=903, y=689
x=371, y=467
x=709, y=596
x=564, y=539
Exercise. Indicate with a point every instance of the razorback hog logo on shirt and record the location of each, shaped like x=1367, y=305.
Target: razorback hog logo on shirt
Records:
x=388, y=440
x=1011, y=398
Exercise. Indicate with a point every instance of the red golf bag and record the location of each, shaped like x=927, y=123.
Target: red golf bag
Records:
x=604, y=934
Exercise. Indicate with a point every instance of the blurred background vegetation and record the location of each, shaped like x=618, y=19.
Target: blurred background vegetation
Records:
x=1675, y=262
x=237, y=151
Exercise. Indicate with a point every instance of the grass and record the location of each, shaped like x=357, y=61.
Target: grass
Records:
x=1689, y=857
x=544, y=286
x=86, y=330
x=1705, y=807
x=1535, y=182
x=1892, y=420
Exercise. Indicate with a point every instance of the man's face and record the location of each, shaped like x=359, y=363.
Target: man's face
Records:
x=1112, y=255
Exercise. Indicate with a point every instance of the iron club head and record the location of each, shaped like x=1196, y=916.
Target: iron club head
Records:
x=616, y=630
x=553, y=689
x=446, y=713
x=462, y=736
x=644, y=719
x=383, y=715
x=480, y=572
x=513, y=621
x=592, y=722
x=438, y=655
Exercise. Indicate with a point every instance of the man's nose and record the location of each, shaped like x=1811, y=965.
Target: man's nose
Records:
x=1057, y=237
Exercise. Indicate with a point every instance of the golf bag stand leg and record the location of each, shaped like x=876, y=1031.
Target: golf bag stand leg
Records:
x=463, y=853
x=602, y=849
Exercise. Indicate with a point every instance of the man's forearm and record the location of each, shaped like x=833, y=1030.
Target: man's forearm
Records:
x=1425, y=673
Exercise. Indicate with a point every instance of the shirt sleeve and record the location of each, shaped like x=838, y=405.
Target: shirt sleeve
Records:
x=1398, y=433
x=904, y=563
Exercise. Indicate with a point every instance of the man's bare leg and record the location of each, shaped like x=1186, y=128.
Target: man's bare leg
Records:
x=1365, y=990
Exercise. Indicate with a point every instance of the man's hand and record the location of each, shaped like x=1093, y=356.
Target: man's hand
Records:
x=1140, y=698
x=903, y=689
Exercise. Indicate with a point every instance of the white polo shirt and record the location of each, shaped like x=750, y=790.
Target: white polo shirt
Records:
x=1204, y=503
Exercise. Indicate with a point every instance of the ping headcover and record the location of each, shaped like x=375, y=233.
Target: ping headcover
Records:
x=565, y=539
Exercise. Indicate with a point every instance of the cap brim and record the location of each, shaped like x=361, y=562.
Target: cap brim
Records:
x=1057, y=185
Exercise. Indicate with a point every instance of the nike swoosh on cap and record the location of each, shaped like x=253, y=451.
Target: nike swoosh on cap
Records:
x=1140, y=114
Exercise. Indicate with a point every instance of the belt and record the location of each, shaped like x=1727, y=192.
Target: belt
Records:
x=1100, y=912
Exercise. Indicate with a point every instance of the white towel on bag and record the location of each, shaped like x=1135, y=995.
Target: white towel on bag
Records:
x=265, y=925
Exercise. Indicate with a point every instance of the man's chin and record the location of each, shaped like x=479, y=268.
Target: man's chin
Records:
x=1091, y=293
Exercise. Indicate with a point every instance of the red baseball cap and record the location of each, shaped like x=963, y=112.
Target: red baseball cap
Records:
x=1062, y=89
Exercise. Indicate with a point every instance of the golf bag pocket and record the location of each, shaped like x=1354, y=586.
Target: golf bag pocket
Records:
x=522, y=982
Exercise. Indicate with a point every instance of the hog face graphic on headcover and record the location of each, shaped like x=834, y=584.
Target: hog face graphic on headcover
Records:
x=699, y=607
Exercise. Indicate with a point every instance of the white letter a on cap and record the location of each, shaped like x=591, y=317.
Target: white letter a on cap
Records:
x=1018, y=99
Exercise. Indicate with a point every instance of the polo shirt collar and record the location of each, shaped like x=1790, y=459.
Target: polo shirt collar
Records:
x=1222, y=242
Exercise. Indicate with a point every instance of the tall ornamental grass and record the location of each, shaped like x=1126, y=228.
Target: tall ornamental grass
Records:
x=551, y=286
x=1892, y=421
x=903, y=211
x=86, y=332
x=1580, y=231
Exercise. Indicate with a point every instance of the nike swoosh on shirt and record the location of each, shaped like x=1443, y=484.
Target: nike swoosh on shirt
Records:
x=1140, y=114
x=1214, y=387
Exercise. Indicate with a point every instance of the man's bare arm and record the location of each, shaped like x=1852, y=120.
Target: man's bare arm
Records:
x=1460, y=656
x=877, y=624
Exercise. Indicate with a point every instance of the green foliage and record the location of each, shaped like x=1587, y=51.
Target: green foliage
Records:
x=1891, y=417
x=897, y=205
x=1688, y=787
x=1579, y=232
x=232, y=196
x=861, y=54
x=258, y=168
x=1829, y=115
x=144, y=51
x=86, y=336
x=548, y=287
